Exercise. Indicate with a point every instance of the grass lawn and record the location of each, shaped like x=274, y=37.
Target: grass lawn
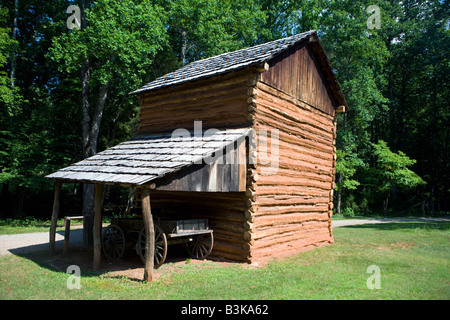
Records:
x=413, y=259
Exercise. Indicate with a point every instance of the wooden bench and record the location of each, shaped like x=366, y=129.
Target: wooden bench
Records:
x=67, y=231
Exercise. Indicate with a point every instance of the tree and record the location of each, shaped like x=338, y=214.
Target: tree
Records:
x=392, y=171
x=419, y=91
x=115, y=46
x=200, y=29
x=346, y=168
x=7, y=43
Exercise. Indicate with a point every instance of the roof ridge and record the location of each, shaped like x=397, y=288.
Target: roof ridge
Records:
x=219, y=64
x=255, y=46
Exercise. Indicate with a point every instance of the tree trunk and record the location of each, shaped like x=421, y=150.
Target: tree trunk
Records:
x=88, y=213
x=85, y=106
x=339, y=194
x=97, y=228
x=183, y=46
x=55, y=214
x=385, y=205
x=90, y=132
x=14, y=36
x=97, y=119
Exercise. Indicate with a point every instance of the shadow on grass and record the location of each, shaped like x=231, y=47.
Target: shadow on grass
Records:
x=129, y=266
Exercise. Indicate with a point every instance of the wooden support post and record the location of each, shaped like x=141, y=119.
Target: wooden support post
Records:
x=66, y=236
x=55, y=214
x=150, y=235
x=97, y=231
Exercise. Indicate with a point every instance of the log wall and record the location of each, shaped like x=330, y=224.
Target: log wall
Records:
x=218, y=101
x=290, y=207
x=225, y=212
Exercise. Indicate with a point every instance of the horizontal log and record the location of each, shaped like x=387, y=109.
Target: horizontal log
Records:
x=282, y=172
x=304, y=139
x=291, y=201
x=299, y=165
x=284, y=219
x=230, y=248
x=231, y=256
x=310, y=137
x=292, y=181
x=324, y=151
x=269, y=238
x=290, y=248
x=287, y=191
x=286, y=98
x=202, y=110
x=304, y=112
x=228, y=235
x=192, y=101
x=227, y=226
x=292, y=144
x=295, y=121
x=197, y=87
x=268, y=210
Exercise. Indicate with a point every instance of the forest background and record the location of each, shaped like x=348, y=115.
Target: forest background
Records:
x=64, y=89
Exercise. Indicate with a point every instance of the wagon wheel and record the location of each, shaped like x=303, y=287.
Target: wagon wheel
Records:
x=113, y=242
x=201, y=246
x=160, y=246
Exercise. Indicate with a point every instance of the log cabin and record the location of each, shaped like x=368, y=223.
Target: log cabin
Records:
x=245, y=139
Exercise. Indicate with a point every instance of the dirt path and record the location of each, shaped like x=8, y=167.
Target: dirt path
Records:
x=354, y=222
x=33, y=242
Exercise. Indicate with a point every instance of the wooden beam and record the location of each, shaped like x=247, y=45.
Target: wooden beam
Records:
x=55, y=214
x=341, y=109
x=262, y=67
x=150, y=235
x=97, y=231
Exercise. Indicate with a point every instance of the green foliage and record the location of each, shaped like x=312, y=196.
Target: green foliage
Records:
x=212, y=26
x=392, y=169
x=395, y=80
x=347, y=164
x=121, y=38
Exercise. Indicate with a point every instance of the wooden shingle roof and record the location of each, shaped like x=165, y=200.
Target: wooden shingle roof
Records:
x=143, y=159
x=226, y=62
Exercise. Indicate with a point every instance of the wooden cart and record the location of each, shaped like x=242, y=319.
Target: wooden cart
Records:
x=127, y=233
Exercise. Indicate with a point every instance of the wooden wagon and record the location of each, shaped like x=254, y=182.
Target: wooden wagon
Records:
x=124, y=234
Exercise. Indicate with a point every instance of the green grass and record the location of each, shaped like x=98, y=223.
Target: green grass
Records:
x=414, y=260
x=32, y=225
x=26, y=225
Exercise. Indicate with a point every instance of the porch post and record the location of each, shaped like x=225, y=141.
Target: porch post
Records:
x=97, y=231
x=55, y=214
x=150, y=235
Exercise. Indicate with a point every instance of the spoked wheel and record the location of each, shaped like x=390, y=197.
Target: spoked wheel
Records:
x=160, y=246
x=201, y=246
x=113, y=242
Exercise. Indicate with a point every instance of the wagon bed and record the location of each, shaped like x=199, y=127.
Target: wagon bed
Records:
x=124, y=234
